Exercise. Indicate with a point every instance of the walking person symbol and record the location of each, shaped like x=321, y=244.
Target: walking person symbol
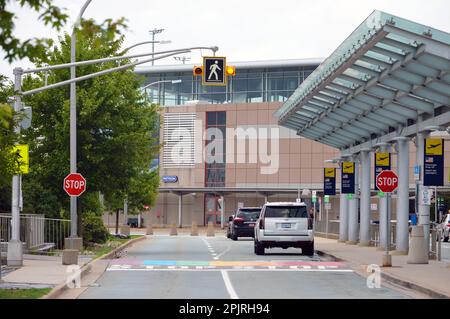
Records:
x=213, y=68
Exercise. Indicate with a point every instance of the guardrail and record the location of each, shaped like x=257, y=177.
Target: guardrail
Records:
x=36, y=231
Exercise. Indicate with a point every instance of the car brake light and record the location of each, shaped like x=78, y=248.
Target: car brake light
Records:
x=448, y=225
x=261, y=223
x=238, y=220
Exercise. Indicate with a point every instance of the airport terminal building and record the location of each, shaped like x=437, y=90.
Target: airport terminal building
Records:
x=253, y=160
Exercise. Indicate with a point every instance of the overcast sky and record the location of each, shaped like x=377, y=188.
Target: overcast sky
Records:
x=244, y=30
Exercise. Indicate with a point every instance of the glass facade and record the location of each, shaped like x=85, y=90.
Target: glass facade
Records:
x=215, y=166
x=248, y=86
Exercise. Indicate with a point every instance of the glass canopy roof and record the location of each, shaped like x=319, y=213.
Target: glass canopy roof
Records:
x=387, y=72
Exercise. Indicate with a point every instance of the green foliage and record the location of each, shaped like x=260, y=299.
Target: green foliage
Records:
x=31, y=293
x=15, y=48
x=94, y=231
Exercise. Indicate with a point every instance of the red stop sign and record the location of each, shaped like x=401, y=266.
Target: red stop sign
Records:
x=387, y=181
x=74, y=184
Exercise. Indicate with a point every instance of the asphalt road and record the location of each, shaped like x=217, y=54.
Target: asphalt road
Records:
x=216, y=267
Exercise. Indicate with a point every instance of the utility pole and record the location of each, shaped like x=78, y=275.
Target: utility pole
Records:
x=153, y=33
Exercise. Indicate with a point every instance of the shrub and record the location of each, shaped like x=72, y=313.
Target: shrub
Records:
x=94, y=231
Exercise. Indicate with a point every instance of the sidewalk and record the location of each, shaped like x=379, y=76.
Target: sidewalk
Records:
x=38, y=271
x=186, y=230
x=432, y=279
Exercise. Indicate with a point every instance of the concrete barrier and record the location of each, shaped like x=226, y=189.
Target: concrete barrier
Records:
x=149, y=230
x=417, y=248
x=70, y=257
x=125, y=230
x=210, y=230
x=173, y=230
x=194, y=229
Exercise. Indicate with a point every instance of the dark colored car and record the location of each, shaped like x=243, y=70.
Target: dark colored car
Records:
x=243, y=222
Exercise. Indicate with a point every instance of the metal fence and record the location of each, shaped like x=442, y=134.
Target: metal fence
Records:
x=36, y=231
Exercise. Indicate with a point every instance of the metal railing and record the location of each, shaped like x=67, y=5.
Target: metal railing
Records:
x=332, y=231
x=36, y=231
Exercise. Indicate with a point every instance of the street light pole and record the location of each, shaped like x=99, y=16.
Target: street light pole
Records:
x=159, y=82
x=73, y=124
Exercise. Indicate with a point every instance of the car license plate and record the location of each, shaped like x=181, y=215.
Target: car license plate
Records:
x=285, y=225
x=251, y=225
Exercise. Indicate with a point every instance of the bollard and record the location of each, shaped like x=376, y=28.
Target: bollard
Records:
x=194, y=229
x=433, y=252
x=210, y=230
x=73, y=243
x=125, y=230
x=173, y=230
x=149, y=230
x=70, y=257
x=417, y=249
x=439, y=251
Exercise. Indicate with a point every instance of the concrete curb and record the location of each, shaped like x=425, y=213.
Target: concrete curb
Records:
x=394, y=280
x=59, y=289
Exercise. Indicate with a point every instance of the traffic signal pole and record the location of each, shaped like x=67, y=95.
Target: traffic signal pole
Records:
x=15, y=253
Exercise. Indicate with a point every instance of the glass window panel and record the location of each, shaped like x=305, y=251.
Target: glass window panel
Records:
x=222, y=118
x=211, y=118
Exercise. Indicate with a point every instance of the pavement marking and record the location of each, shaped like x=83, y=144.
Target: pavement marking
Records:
x=228, y=285
x=222, y=253
x=306, y=267
x=149, y=267
x=321, y=267
x=236, y=269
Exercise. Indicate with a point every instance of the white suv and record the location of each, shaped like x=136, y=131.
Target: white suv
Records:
x=284, y=225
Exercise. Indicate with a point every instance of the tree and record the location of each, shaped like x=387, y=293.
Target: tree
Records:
x=15, y=48
x=115, y=126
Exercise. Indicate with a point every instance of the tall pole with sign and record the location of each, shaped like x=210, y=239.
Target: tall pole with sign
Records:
x=387, y=182
x=382, y=163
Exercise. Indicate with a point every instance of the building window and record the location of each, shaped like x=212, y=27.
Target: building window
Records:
x=179, y=140
x=215, y=160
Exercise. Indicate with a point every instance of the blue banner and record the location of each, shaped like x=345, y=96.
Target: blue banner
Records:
x=329, y=181
x=348, y=178
x=433, y=171
x=382, y=163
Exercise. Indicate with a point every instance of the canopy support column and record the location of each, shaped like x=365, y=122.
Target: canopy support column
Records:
x=364, y=230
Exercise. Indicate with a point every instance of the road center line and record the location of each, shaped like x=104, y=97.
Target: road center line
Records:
x=228, y=285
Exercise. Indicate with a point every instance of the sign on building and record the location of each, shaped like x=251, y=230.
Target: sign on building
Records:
x=382, y=163
x=433, y=171
x=329, y=181
x=214, y=69
x=348, y=177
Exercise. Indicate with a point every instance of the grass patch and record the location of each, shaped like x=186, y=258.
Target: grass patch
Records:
x=110, y=245
x=32, y=293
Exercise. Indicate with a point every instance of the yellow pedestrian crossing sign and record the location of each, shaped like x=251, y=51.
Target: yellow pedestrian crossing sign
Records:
x=21, y=159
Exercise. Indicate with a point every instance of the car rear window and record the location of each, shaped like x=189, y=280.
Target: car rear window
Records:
x=249, y=213
x=285, y=212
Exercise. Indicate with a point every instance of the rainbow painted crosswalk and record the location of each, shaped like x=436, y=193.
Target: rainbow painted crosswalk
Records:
x=185, y=265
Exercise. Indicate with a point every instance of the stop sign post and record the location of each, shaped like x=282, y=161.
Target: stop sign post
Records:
x=387, y=182
x=74, y=184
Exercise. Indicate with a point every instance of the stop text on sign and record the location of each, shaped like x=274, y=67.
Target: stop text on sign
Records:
x=75, y=184
x=389, y=181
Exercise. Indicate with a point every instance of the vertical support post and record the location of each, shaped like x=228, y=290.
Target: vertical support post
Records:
x=15, y=253
x=222, y=212
x=364, y=227
x=383, y=148
x=73, y=135
x=125, y=212
x=387, y=259
x=326, y=226
x=353, y=210
x=424, y=210
x=180, y=210
x=402, y=230
x=343, y=220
